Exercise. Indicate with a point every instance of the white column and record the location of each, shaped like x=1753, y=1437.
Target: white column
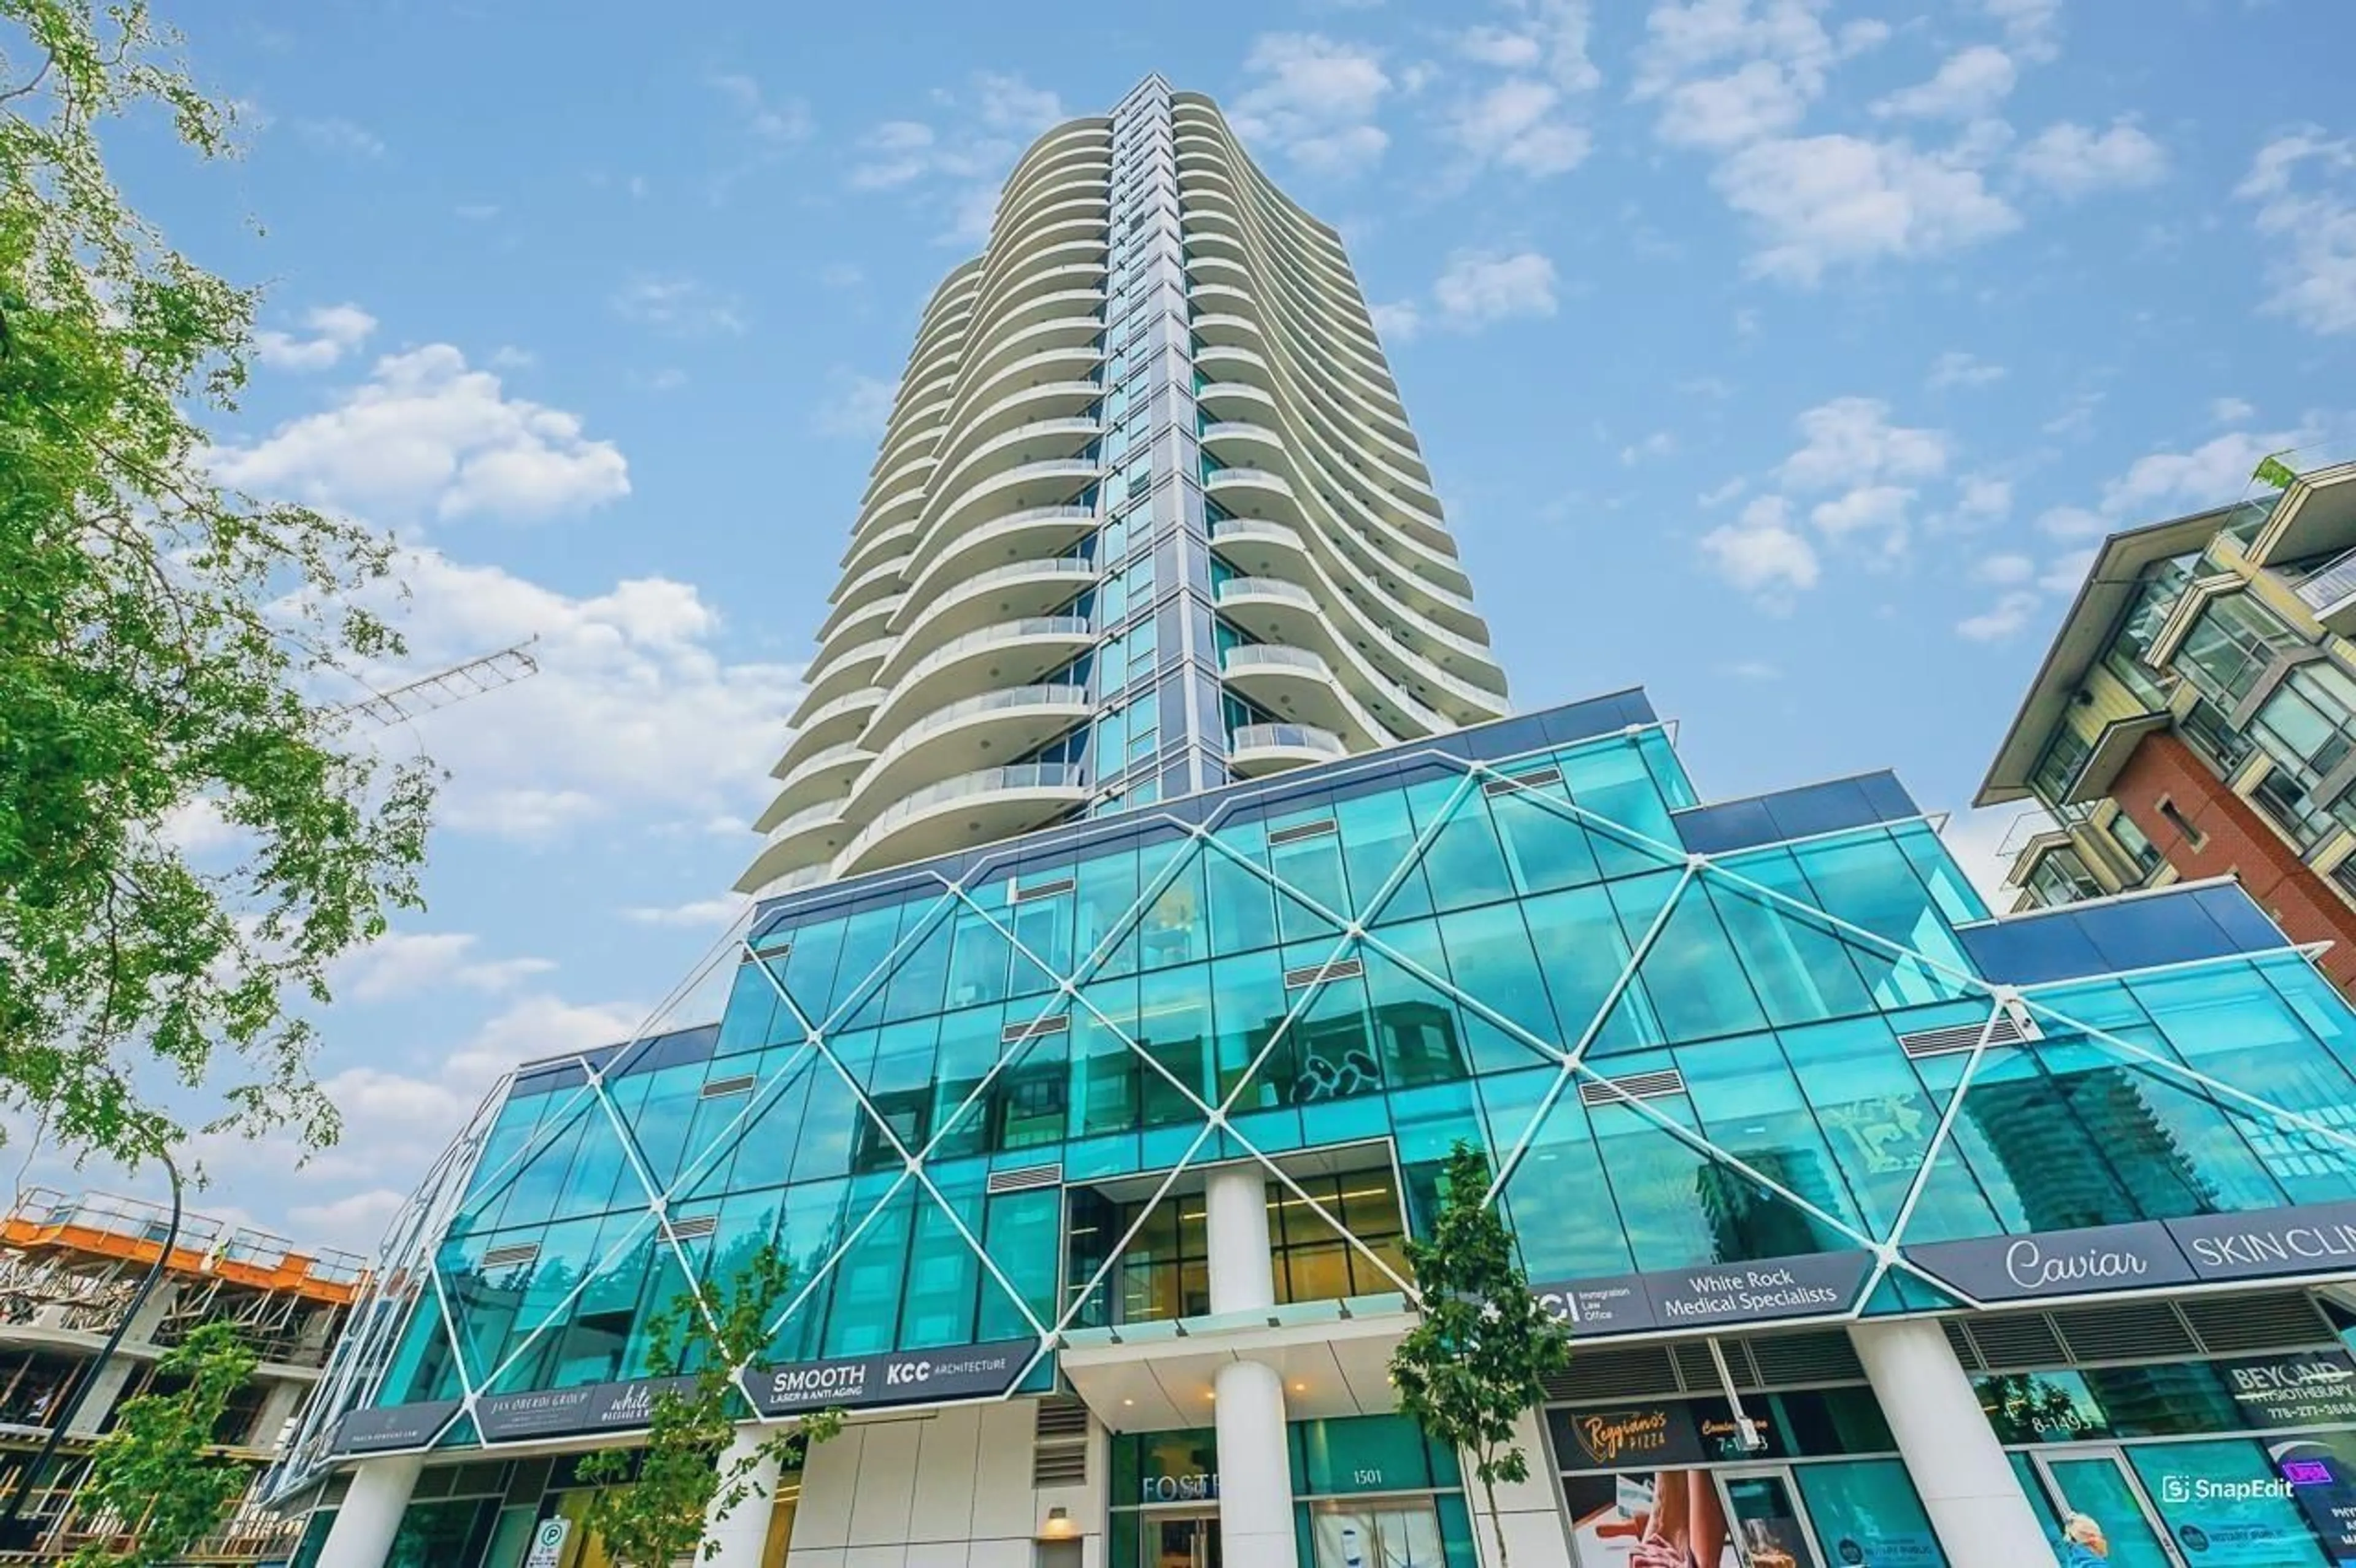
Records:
x=1234, y=1205
x=1967, y=1486
x=370, y=1516
x=744, y=1535
x=106, y=1388
x=1255, y=1467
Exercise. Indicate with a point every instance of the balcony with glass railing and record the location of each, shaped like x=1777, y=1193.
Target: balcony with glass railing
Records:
x=978, y=807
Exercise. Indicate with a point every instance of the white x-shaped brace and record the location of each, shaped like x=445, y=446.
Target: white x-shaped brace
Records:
x=2023, y=1003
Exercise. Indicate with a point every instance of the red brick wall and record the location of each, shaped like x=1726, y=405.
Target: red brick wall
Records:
x=2237, y=842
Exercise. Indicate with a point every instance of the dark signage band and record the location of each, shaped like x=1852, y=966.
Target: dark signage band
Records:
x=1811, y=1285
x=902, y=1377
x=570, y=1412
x=396, y=1426
x=2268, y=1243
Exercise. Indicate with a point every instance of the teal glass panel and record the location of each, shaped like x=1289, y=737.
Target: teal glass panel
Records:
x=2038, y=1162
x=1490, y=956
x=535, y=1184
x=807, y=970
x=1377, y=841
x=919, y=974
x=2225, y=1493
x=1564, y=1211
x=1172, y=928
x=1800, y=969
x=1465, y=862
x=868, y=938
x=1750, y=1105
x=424, y=1366
x=1255, y=1065
x=865, y=1307
x=1868, y=881
x=1105, y=912
x=1697, y=987
x=666, y=1119
x=1431, y=1121
x=969, y=1048
x=1106, y=1092
x=1667, y=769
x=1359, y=1454
x=1951, y=890
x=1877, y=1117
x=751, y=1003
x=1582, y=951
x=1867, y=1510
x=833, y=1119
x=1546, y=848
x=1024, y=1234
x=1026, y=1105
x=1311, y=868
x=1456, y=1532
x=1173, y=1029
x=1634, y=833
x=1420, y=1034
x=944, y=1273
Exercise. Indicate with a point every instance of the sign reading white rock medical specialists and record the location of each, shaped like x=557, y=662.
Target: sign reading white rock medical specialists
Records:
x=2266, y=1243
x=904, y=1377
x=1815, y=1284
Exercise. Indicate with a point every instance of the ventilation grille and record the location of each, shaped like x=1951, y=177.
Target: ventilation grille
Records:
x=720, y=1088
x=1805, y=1358
x=1696, y=1370
x=1300, y=831
x=1637, y=1371
x=1635, y=1087
x=773, y=950
x=2255, y=1322
x=1318, y=974
x=696, y=1229
x=1044, y=890
x=1016, y=1034
x=1957, y=1038
x=1755, y=1361
x=2016, y=1339
x=513, y=1254
x=1030, y=1178
x=2130, y=1329
x=2140, y=1330
x=1059, y=1454
x=1514, y=782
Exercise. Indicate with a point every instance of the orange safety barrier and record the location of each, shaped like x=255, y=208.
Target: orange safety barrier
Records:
x=131, y=1230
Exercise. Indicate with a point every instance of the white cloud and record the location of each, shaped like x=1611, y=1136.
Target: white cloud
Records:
x=341, y=137
x=1969, y=83
x=1397, y=322
x=896, y=152
x=1660, y=444
x=771, y=121
x=2216, y=472
x=2311, y=224
x=1009, y=103
x=334, y=330
x=2071, y=160
x=1956, y=368
x=1499, y=46
x=2000, y=620
x=1981, y=499
x=404, y=963
x=1751, y=669
x=985, y=127
x=1850, y=441
x=426, y=435
x=2072, y=522
x=2065, y=573
x=1760, y=552
x=1825, y=201
x=1517, y=124
x=1314, y=100
x=701, y=913
x=2233, y=410
x=858, y=407
x=2005, y=570
x=1481, y=287
x=1869, y=507
x=633, y=716
x=682, y=307
x=1759, y=98
x=2029, y=26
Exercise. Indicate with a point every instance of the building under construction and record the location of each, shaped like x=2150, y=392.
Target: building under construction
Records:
x=71, y=1270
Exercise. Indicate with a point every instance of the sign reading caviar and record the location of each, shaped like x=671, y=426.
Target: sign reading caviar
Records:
x=2310, y=1239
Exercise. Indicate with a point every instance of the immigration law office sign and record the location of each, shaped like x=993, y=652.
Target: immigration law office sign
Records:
x=2313, y=1240
x=1815, y=1284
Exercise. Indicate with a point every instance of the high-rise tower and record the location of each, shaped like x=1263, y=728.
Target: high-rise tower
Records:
x=1147, y=519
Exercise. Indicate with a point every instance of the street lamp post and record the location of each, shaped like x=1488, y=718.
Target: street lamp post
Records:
x=15, y=1535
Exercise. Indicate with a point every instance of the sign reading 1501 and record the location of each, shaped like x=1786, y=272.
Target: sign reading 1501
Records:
x=1368, y=1477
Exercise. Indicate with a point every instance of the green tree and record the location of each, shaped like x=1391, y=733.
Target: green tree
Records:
x=164, y=646
x=651, y=1503
x=153, y=1472
x=1480, y=1356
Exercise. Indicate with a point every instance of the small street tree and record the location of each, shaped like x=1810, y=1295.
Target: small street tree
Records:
x=652, y=1503
x=154, y=1472
x=1482, y=1354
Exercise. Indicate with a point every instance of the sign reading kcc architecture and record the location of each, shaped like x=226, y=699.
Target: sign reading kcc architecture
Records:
x=570, y=1412
x=1814, y=1284
x=2267, y=1244
x=904, y=1377
x=396, y=1426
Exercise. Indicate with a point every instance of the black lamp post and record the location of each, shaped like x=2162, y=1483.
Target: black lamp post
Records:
x=16, y=1533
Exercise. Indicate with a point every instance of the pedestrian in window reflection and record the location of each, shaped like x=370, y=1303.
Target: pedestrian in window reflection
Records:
x=2083, y=1545
x=1687, y=1527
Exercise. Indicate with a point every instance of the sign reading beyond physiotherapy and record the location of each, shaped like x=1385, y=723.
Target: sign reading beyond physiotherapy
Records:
x=1813, y=1284
x=569, y=1412
x=396, y=1426
x=2312, y=1239
x=2314, y=1388
x=905, y=1377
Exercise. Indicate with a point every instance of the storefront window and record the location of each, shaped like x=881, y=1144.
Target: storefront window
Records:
x=1867, y=1516
x=2225, y=1504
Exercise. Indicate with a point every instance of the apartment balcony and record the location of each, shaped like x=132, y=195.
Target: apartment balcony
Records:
x=811, y=837
x=1299, y=684
x=1017, y=591
x=1242, y=442
x=959, y=813
x=2331, y=591
x=848, y=667
x=828, y=724
x=1056, y=483
x=1014, y=652
x=1037, y=533
x=973, y=733
x=1256, y=750
x=820, y=776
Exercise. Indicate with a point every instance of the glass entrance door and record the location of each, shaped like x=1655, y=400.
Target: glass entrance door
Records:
x=2097, y=1485
x=1763, y=1512
x=1181, y=1540
x=1377, y=1533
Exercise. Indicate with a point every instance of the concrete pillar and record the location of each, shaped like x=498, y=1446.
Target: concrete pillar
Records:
x=739, y=1540
x=1966, y=1484
x=1235, y=1204
x=362, y=1535
x=1255, y=1467
x=278, y=1407
x=98, y=1403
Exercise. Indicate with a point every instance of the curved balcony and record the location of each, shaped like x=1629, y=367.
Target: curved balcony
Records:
x=847, y=667
x=1030, y=487
x=1019, y=590
x=1066, y=362
x=828, y=724
x=1239, y=400
x=1017, y=652
x=821, y=776
x=1037, y=442
x=1254, y=751
x=959, y=813
x=1073, y=316
x=1289, y=614
x=1241, y=441
x=1254, y=545
x=1260, y=492
x=1036, y=534
x=811, y=837
x=857, y=623
x=1299, y=685
x=1041, y=404
x=896, y=508
x=873, y=550
x=1229, y=331
x=974, y=732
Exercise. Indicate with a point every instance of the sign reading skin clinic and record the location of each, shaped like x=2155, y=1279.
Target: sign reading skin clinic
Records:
x=396, y=1426
x=1814, y=1284
x=564, y=1412
x=2310, y=1239
x=906, y=1377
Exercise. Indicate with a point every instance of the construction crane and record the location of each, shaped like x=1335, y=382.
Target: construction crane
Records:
x=442, y=689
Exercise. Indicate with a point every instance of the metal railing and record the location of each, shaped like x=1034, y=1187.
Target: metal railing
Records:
x=1293, y=737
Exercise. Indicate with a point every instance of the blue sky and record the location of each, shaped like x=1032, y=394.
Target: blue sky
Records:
x=1783, y=355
